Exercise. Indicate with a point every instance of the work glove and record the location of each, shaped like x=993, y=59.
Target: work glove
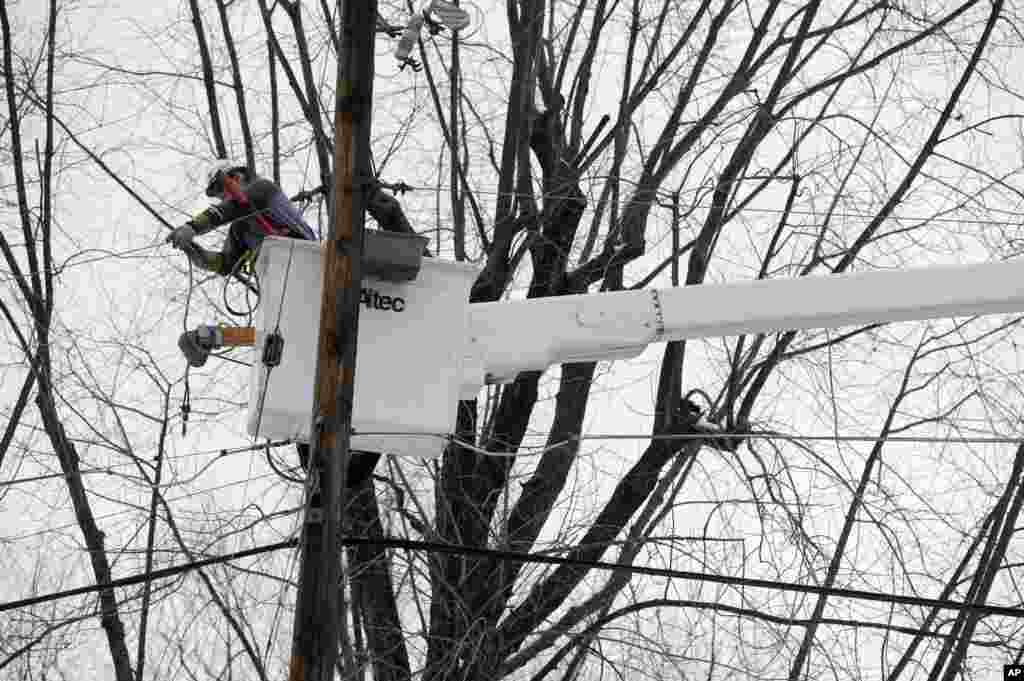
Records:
x=181, y=237
x=196, y=345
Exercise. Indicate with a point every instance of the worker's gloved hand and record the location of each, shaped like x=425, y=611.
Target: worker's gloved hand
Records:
x=181, y=237
x=196, y=345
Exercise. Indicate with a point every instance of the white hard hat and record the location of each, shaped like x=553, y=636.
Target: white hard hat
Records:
x=220, y=170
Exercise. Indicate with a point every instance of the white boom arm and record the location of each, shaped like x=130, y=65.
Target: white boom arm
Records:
x=422, y=347
x=509, y=337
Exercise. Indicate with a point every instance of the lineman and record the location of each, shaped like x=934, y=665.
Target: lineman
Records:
x=256, y=208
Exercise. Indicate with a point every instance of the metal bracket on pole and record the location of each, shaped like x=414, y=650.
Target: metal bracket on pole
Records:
x=392, y=256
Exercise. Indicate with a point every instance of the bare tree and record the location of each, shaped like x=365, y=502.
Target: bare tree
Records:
x=585, y=147
x=33, y=277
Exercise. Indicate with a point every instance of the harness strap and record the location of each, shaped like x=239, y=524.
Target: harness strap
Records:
x=266, y=225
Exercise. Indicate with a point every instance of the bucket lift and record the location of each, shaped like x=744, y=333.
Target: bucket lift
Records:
x=422, y=346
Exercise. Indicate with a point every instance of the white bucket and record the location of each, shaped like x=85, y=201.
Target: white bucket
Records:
x=408, y=360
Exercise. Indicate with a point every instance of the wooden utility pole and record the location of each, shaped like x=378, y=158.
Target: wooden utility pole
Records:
x=317, y=611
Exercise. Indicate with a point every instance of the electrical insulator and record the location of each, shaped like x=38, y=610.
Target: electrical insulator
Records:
x=409, y=38
x=452, y=16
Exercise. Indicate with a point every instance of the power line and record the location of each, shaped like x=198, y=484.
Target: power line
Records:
x=919, y=439
x=305, y=195
x=747, y=582
x=747, y=209
x=110, y=469
x=114, y=514
x=537, y=558
x=717, y=435
x=221, y=451
x=540, y=450
x=148, y=576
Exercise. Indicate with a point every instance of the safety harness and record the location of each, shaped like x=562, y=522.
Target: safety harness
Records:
x=268, y=227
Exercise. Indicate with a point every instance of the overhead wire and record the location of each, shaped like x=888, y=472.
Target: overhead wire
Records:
x=540, y=558
x=528, y=450
x=919, y=439
x=1016, y=612
x=512, y=194
x=746, y=582
x=704, y=436
x=751, y=209
x=114, y=514
x=108, y=255
x=110, y=469
x=153, y=575
x=541, y=449
x=224, y=451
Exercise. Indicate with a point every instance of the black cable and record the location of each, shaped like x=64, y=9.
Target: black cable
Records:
x=106, y=255
x=281, y=473
x=748, y=582
x=186, y=399
x=224, y=356
x=235, y=271
x=519, y=557
x=150, y=576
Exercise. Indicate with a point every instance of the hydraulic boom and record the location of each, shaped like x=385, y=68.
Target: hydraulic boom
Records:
x=422, y=347
x=506, y=338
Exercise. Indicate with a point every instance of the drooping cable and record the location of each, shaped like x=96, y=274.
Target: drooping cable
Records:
x=153, y=575
x=280, y=473
x=538, y=558
x=746, y=582
x=186, y=400
x=250, y=307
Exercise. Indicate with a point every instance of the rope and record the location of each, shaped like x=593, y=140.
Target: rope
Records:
x=239, y=265
x=186, y=399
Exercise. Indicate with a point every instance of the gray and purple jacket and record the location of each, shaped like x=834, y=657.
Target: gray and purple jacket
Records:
x=261, y=208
